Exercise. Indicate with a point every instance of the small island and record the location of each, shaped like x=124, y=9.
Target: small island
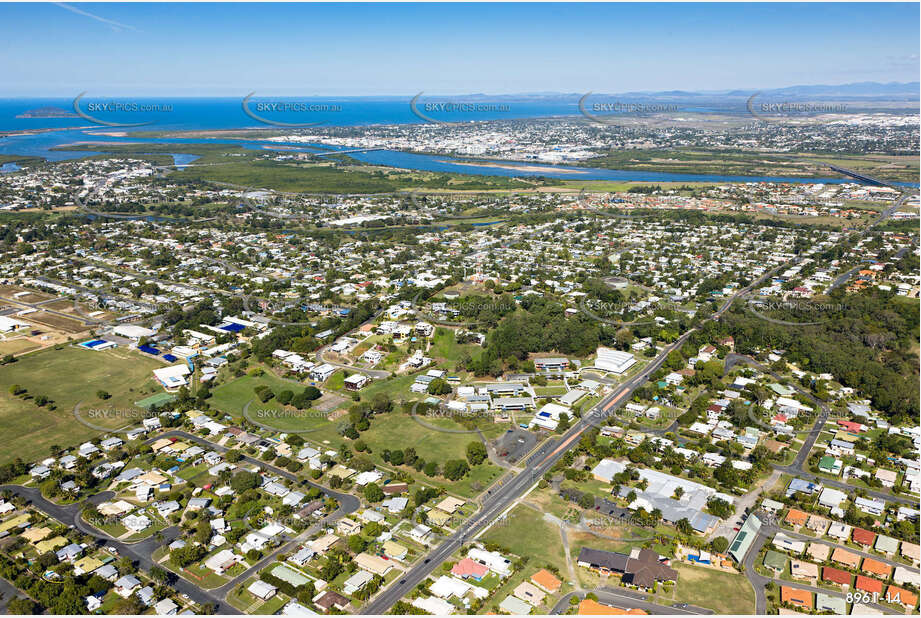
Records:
x=48, y=112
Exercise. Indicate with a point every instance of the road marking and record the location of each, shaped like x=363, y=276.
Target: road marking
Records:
x=615, y=400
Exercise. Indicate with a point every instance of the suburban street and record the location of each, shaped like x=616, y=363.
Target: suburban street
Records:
x=139, y=552
x=142, y=551
x=629, y=599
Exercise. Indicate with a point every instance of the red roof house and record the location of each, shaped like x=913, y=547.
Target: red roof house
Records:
x=836, y=576
x=864, y=537
x=868, y=584
x=470, y=568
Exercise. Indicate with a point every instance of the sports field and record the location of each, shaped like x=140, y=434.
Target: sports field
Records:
x=68, y=376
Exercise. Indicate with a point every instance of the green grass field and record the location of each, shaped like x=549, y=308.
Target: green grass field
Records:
x=232, y=396
x=445, y=346
x=542, y=544
x=725, y=593
x=69, y=376
x=399, y=431
x=396, y=430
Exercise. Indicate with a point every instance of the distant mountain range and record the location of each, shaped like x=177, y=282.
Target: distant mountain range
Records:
x=861, y=91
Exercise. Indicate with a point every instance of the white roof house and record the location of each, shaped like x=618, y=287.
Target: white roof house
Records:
x=262, y=589
x=174, y=377
x=495, y=561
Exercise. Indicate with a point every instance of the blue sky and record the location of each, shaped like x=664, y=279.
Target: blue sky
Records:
x=342, y=49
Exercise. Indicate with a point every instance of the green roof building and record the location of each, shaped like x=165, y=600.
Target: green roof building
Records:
x=744, y=538
x=775, y=561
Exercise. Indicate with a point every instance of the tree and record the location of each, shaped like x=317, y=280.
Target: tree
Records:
x=381, y=403
x=243, y=481
x=357, y=544
x=184, y=556
x=684, y=526
x=373, y=492
x=456, y=469
x=372, y=530
x=476, y=453
x=285, y=397
x=720, y=544
x=438, y=386
x=159, y=574
x=263, y=392
x=23, y=607
x=719, y=507
x=102, y=394
x=564, y=423
x=312, y=393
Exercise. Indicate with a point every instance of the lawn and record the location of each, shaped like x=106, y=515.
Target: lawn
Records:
x=725, y=593
x=445, y=346
x=542, y=543
x=336, y=381
x=232, y=396
x=16, y=346
x=396, y=388
x=69, y=376
x=399, y=431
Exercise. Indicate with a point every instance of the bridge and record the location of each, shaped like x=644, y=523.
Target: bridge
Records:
x=862, y=177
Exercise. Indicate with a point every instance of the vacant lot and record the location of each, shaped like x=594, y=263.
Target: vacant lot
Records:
x=67, y=376
x=542, y=543
x=725, y=593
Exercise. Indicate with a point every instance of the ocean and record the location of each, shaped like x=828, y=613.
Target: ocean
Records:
x=228, y=113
